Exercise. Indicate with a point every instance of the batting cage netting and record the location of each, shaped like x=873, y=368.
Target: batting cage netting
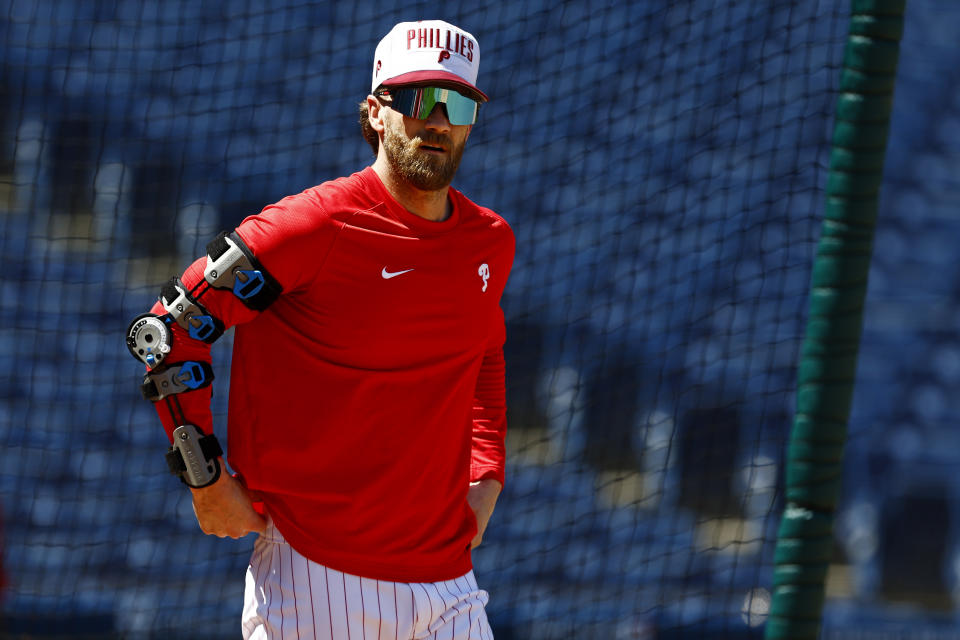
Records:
x=662, y=165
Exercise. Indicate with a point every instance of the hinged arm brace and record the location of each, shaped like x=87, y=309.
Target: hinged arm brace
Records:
x=194, y=456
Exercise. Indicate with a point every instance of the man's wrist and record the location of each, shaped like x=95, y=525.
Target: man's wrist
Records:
x=218, y=486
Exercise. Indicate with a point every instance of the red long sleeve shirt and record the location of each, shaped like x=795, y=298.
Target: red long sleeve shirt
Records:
x=367, y=397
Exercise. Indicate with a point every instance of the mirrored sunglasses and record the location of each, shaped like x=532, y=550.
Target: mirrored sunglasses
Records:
x=418, y=102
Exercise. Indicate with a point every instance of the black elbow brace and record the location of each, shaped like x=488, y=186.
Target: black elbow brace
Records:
x=231, y=265
x=193, y=457
x=187, y=312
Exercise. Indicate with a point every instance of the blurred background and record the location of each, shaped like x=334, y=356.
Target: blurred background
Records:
x=662, y=164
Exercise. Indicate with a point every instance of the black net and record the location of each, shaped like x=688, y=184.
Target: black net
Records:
x=662, y=165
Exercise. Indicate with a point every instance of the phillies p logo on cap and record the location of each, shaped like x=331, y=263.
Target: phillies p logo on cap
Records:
x=428, y=51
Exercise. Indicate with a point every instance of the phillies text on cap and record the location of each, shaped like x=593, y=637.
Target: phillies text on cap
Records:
x=425, y=51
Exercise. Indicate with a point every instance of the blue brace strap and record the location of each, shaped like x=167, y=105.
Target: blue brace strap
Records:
x=177, y=377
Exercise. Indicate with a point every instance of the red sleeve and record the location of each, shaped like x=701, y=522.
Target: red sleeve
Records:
x=488, y=455
x=194, y=406
x=278, y=236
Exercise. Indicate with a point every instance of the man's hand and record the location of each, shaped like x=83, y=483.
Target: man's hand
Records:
x=225, y=509
x=482, y=497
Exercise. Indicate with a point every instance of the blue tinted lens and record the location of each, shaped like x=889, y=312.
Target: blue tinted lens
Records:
x=419, y=102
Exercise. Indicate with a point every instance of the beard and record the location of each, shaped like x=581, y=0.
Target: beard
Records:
x=422, y=170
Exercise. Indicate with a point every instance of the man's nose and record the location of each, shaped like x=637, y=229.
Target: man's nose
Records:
x=437, y=120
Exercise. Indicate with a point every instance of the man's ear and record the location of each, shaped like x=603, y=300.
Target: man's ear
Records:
x=375, y=113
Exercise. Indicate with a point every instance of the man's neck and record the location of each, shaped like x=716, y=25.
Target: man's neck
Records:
x=429, y=205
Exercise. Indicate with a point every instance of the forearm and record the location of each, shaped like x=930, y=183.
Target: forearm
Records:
x=482, y=497
x=488, y=453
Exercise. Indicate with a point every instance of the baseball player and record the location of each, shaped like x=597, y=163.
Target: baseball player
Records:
x=367, y=414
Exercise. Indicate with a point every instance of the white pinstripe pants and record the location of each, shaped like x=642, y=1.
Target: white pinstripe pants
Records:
x=290, y=597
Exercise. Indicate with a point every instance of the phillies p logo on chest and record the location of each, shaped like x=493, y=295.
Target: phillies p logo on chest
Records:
x=484, y=272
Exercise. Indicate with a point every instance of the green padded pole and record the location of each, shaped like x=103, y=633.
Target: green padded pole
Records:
x=837, y=292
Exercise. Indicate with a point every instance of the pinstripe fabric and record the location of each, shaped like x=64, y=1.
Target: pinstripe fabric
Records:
x=288, y=597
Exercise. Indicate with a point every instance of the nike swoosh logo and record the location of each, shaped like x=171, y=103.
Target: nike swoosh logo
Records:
x=387, y=274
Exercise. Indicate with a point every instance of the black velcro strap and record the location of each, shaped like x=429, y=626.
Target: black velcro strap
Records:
x=175, y=462
x=210, y=447
x=218, y=246
x=169, y=290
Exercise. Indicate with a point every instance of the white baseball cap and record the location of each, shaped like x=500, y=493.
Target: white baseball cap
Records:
x=428, y=51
